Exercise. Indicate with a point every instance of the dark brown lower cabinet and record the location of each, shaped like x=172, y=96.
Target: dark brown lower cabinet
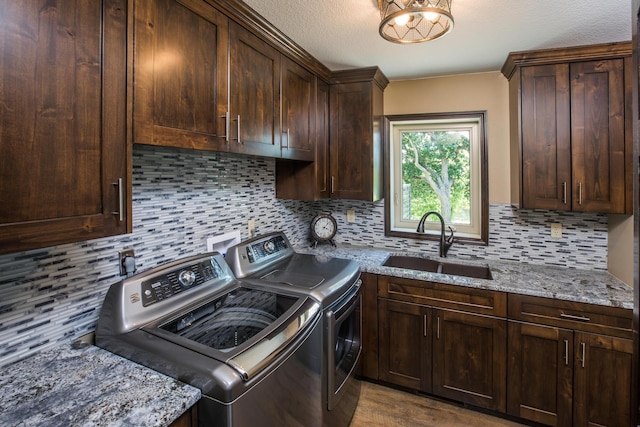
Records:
x=553, y=362
x=469, y=358
x=369, y=365
x=602, y=394
x=449, y=353
x=561, y=377
x=405, y=344
x=540, y=385
x=188, y=419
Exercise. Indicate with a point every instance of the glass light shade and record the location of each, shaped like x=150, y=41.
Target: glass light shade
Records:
x=414, y=21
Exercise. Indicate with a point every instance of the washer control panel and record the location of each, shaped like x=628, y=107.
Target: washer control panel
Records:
x=169, y=284
x=266, y=248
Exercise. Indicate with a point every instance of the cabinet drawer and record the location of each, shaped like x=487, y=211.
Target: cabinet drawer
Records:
x=572, y=315
x=454, y=297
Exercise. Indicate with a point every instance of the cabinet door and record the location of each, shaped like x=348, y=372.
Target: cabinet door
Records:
x=369, y=325
x=598, y=136
x=298, y=111
x=254, y=94
x=62, y=122
x=180, y=74
x=351, y=141
x=540, y=373
x=602, y=380
x=305, y=180
x=546, y=137
x=469, y=358
x=405, y=344
x=321, y=171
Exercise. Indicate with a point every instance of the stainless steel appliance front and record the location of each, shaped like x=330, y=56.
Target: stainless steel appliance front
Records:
x=250, y=349
x=335, y=284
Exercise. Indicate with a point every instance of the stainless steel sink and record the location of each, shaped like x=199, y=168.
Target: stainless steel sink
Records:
x=433, y=266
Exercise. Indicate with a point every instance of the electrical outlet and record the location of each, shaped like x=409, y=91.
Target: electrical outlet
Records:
x=351, y=215
x=122, y=257
x=251, y=227
x=556, y=230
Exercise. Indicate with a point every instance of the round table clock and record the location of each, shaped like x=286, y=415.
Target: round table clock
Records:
x=323, y=229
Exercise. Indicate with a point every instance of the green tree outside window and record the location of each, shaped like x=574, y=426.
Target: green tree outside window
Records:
x=436, y=174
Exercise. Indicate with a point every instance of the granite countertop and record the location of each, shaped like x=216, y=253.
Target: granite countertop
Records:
x=82, y=385
x=588, y=286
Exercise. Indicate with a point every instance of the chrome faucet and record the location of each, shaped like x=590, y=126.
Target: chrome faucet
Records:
x=445, y=244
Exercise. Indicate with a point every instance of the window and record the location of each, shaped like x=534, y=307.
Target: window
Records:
x=437, y=162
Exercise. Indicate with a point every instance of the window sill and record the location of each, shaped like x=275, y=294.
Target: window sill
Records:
x=436, y=236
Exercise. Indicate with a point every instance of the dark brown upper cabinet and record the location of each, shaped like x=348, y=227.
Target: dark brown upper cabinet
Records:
x=213, y=76
x=300, y=180
x=571, y=136
x=298, y=111
x=254, y=94
x=65, y=171
x=180, y=74
x=353, y=169
x=355, y=134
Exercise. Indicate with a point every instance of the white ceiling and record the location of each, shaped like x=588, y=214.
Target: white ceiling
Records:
x=344, y=34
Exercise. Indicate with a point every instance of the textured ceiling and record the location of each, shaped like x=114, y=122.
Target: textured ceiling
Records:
x=344, y=34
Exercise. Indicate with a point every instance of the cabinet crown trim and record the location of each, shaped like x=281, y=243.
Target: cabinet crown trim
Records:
x=254, y=22
x=357, y=75
x=565, y=54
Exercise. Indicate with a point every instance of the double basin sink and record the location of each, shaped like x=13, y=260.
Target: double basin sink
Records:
x=434, y=266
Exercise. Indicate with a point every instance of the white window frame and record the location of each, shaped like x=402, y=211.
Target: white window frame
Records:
x=475, y=122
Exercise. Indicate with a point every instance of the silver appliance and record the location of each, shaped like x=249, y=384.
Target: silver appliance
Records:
x=335, y=284
x=252, y=350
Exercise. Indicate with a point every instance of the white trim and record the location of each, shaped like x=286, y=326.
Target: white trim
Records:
x=473, y=127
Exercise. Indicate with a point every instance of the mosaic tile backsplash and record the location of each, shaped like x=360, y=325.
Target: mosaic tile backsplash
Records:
x=48, y=296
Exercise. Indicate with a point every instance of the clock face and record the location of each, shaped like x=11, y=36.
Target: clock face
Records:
x=324, y=227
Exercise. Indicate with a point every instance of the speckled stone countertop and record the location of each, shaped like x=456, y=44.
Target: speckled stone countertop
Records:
x=595, y=287
x=82, y=385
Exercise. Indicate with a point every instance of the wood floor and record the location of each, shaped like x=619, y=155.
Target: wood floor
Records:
x=383, y=406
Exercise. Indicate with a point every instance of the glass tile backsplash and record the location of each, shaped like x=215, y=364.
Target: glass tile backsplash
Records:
x=52, y=295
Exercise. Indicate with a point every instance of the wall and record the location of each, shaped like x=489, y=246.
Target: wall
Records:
x=52, y=295
x=179, y=199
x=514, y=235
x=489, y=91
x=469, y=92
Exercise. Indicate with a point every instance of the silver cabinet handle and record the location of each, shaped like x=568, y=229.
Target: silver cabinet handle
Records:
x=333, y=180
x=120, y=212
x=566, y=352
x=238, y=129
x=226, y=126
x=438, y=327
x=424, y=326
x=582, y=349
x=580, y=193
x=288, y=138
x=564, y=192
x=574, y=317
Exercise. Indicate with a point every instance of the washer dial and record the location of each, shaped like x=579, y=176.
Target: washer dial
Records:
x=187, y=278
x=269, y=247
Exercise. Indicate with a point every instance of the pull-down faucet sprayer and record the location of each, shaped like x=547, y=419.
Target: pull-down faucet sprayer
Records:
x=445, y=243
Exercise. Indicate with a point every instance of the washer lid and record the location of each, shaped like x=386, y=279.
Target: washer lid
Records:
x=245, y=328
x=293, y=278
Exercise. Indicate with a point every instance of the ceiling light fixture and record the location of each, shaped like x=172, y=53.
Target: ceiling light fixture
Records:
x=414, y=21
